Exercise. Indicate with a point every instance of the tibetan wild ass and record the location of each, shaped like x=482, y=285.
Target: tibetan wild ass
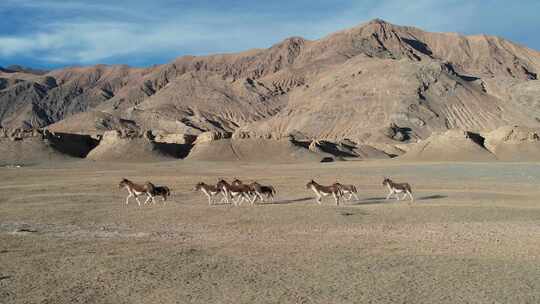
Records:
x=350, y=190
x=258, y=190
x=322, y=191
x=210, y=191
x=396, y=188
x=162, y=191
x=135, y=190
x=231, y=191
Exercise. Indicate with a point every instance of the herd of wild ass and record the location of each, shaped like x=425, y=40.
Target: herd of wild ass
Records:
x=238, y=192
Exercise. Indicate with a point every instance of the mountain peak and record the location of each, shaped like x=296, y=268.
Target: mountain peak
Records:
x=375, y=25
x=378, y=21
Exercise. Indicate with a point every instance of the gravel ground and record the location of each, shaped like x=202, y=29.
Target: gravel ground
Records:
x=471, y=236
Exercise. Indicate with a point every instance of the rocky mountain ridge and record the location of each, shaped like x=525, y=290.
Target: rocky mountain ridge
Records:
x=378, y=84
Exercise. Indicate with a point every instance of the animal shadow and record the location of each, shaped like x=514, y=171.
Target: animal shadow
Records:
x=431, y=197
x=371, y=201
x=382, y=200
x=291, y=201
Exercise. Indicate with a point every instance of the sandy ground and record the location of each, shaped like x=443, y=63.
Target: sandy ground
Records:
x=472, y=236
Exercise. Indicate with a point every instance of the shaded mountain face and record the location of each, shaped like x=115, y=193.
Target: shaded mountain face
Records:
x=351, y=84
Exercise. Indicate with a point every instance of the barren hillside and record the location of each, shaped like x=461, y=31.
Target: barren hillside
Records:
x=352, y=84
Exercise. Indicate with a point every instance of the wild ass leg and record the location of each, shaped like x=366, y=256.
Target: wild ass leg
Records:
x=355, y=196
x=410, y=194
x=227, y=196
x=319, y=197
x=255, y=196
x=242, y=197
x=252, y=200
x=223, y=199
x=238, y=201
x=137, y=199
x=336, y=198
x=390, y=194
x=127, y=198
x=149, y=197
x=260, y=196
x=247, y=197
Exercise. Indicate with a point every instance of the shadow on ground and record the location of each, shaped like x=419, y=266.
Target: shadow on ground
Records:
x=431, y=197
x=291, y=201
x=382, y=200
x=366, y=201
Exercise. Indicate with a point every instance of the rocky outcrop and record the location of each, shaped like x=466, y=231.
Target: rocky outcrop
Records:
x=24, y=146
x=514, y=143
x=211, y=136
x=120, y=146
x=180, y=139
x=453, y=145
x=116, y=146
x=20, y=134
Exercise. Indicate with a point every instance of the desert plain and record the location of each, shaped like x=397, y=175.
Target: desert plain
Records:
x=471, y=236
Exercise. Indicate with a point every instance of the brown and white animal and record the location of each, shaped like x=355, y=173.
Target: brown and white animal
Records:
x=350, y=190
x=162, y=191
x=135, y=190
x=242, y=192
x=396, y=188
x=259, y=190
x=238, y=182
x=269, y=191
x=210, y=191
x=322, y=191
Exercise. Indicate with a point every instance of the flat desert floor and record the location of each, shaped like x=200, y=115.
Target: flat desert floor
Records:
x=472, y=236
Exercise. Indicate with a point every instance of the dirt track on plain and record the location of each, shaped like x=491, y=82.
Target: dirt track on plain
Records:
x=472, y=236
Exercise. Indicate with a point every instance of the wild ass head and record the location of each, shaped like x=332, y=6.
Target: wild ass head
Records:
x=124, y=182
x=310, y=184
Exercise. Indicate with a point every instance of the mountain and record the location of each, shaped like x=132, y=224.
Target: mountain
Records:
x=374, y=83
x=22, y=69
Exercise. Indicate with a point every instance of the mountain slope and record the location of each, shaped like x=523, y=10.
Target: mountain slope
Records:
x=355, y=83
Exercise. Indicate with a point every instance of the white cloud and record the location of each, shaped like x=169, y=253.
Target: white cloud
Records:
x=83, y=41
x=88, y=32
x=91, y=42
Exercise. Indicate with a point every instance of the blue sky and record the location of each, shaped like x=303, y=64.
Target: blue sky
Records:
x=55, y=33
